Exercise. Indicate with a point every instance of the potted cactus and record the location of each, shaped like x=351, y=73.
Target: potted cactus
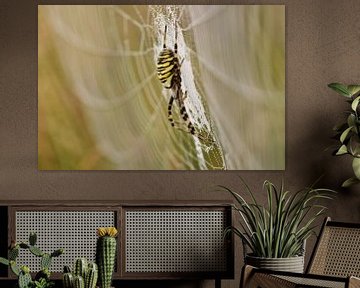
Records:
x=106, y=254
x=42, y=278
x=84, y=275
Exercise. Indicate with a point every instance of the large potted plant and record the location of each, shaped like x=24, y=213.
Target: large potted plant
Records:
x=275, y=234
x=348, y=132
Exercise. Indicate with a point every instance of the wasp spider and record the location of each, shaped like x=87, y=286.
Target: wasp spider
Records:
x=168, y=70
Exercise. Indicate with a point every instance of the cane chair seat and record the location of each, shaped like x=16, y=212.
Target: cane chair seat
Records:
x=335, y=262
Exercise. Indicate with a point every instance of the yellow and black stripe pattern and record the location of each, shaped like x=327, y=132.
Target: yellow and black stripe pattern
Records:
x=168, y=68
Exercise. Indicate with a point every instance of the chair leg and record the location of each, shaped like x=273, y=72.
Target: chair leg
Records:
x=246, y=274
x=217, y=283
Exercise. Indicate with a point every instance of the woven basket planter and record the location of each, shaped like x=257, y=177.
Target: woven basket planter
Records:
x=291, y=264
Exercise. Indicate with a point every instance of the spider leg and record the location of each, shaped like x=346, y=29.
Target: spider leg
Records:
x=176, y=35
x=185, y=125
x=164, y=43
x=183, y=114
x=170, y=117
x=174, y=123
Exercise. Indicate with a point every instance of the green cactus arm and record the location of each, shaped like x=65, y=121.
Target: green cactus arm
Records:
x=91, y=276
x=68, y=280
x=92, y=266
x=25, y=269
x=45, y=261
x=80, y=268
x=32, y=238
x=24, y=280
x=36, y=251
x=14, y=268
x=79, y=282
x=24, y=245
x=4, y=261
x=57, y=252
x=67, y=269
x=13, y=253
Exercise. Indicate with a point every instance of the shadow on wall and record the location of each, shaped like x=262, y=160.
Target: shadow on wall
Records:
x=311, y=154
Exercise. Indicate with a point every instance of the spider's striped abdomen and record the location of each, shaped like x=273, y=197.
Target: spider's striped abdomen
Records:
x=168, y=68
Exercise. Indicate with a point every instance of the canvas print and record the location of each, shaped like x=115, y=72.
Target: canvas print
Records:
x=161, y=87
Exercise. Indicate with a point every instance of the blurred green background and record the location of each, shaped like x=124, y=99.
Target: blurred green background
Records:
x=64, y=139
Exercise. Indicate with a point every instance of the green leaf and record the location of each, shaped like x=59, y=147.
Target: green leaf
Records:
x=349, y=182
x=340, y=127
x=345, y=134
x=351, y=120
x=354, y=145
x=353, y=89
x=279, y=228
x=355, y=103
x=4, y=261
x=342, y=150
x=340, y=88
x=356, y=167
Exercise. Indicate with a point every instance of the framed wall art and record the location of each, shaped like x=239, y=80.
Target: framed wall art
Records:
x=157, y=87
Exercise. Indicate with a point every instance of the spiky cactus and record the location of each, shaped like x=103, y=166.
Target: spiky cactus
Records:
x=68, y=280
x=80, y=267
x=79, y=282
x=106, y=254
x=91, y=276
x=84, y=274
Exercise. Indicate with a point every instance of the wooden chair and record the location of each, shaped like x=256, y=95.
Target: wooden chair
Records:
x=334, y=263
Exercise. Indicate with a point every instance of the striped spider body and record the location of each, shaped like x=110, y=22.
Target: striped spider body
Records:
x=168, y=71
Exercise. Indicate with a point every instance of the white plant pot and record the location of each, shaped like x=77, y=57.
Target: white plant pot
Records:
x=291, y=264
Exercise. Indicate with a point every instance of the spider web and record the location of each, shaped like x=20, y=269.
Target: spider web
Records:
x=235, y=96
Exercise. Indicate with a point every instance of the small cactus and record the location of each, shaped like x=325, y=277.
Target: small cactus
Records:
x=79, y=282
x=106, y=254
x=80, y=268
x=91, y=276
x=68, y=280
x=88, y=273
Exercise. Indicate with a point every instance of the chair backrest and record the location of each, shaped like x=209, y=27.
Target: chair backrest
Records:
x=337, y=251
